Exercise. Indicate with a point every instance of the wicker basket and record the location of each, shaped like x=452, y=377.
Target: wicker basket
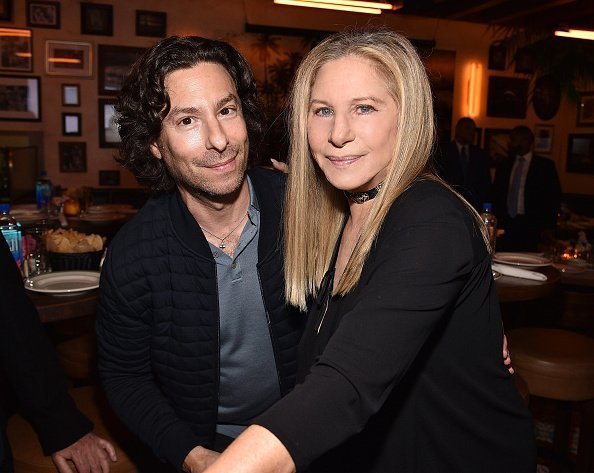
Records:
x=75, y=261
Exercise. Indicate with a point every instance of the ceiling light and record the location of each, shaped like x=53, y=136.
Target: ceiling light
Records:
x=576, y=34
x=374, y=8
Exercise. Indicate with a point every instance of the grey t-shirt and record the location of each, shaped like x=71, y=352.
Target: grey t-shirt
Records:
x=248, y=378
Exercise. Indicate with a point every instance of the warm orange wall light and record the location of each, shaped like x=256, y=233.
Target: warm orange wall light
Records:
x=474, y=74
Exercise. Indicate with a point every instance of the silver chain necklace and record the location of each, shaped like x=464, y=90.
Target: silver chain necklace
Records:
x=222, y=244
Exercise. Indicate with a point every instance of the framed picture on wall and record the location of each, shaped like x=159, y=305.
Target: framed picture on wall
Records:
x=43, y=14
x=73, y=156
x=5, y=10
x=585, y=115
x=70, y=95
x=71, y=124
x=497, y=57
x=16, y=52
x=114, y=63
x=543, y=138
x=96, y=19
x=68, y=58
x=20, y=98
x=108, y=129
x=496, y=145
x=151, y=23
x=507, y=97
x=580, y=153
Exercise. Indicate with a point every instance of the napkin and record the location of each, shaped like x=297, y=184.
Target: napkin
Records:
x=518, y=272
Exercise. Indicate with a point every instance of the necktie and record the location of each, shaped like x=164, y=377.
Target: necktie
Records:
x=514, y=189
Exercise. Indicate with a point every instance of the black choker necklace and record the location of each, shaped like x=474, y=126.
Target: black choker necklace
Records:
x=361, y=197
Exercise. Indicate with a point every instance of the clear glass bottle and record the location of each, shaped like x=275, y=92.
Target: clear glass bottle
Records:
x=43, y=191
x=490, y=221
x=11, y=230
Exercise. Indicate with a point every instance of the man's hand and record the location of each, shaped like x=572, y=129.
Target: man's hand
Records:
x=199, y=459
x=90, y=454
x=506, y=356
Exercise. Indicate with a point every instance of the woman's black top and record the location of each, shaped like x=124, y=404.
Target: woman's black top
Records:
x=405, y=373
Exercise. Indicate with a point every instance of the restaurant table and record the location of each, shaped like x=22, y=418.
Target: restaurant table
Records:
x=510, y=289
x=584, y=279
x=53, y=308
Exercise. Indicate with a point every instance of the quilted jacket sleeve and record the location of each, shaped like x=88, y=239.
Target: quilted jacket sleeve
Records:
x=123, y=336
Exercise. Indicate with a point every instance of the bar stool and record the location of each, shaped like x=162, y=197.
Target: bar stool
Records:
x=28, y=456
x=559, y=365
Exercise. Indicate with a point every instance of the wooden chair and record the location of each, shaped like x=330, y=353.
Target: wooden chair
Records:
x=27, y=453
x=559, y=365
x=78, y=357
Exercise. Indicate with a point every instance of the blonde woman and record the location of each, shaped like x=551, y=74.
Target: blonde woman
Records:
x=400, y=364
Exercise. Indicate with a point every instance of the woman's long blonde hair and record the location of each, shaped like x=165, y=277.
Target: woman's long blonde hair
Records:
x=314, y=209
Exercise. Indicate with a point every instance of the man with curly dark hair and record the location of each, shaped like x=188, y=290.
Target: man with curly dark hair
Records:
x=194, y=336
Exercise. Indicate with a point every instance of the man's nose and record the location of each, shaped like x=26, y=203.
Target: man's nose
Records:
x=216, y=137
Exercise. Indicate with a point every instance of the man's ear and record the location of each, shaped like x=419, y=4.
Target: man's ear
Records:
x=155, y=150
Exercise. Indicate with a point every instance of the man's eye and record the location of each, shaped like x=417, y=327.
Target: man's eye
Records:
x=186, y=121
x=227, y=111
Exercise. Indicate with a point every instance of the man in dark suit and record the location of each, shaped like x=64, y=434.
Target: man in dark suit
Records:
x=30, y=369
x=527, y=195
x=465, y=166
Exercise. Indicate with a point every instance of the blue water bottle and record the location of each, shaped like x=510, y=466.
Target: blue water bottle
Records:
x=11, y=230
x=43, y=191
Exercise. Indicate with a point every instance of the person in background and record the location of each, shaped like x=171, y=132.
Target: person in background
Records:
x=527, y=195
x=33, y=375
x=465, y=166
x=399, y=365
x=194, y=336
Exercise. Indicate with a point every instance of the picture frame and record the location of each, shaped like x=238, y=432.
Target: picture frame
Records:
x=497, y=57
x=71, y=124
x=580, y=153
x=546, y=97
x=20, y=98
x=585, y=111
x=109, y=178
x=43, y=14
x=70, y=95
x=525, y=62
x=113, y=65
x=543, y=138
x=73, y=156
x=507, y=97
x=68, y=58
x=496, y=145
x=151, y=23
x=16, y=49
x=96, y=19
x=5, y=10
x=109, y=136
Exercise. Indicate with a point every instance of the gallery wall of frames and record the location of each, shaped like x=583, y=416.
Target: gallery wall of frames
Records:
x=62, y=63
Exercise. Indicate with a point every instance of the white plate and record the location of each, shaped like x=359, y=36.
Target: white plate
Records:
x=569, y=268
x=530, y=260
x=107, y=208
x=102, y=217
x=64, y=282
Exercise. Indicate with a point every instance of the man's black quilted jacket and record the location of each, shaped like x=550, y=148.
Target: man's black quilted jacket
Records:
x=158, y=321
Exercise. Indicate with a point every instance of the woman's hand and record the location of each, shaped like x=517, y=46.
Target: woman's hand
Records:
x=199, y=459
x=256, y=450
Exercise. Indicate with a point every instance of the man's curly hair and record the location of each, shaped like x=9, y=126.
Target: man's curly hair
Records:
x=144, y=102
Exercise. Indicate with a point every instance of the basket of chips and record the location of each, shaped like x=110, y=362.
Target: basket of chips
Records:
x=69, y=250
